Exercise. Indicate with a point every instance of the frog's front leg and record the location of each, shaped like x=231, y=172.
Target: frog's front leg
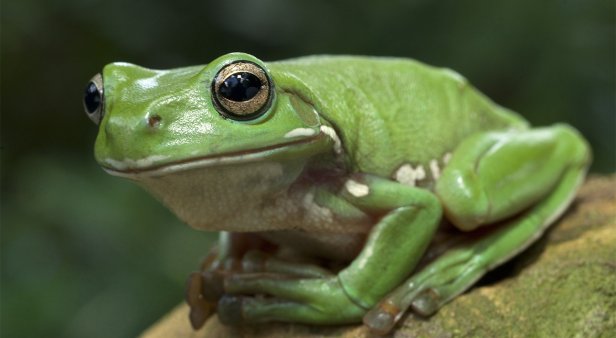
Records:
x=408, y=218
x=521, y=180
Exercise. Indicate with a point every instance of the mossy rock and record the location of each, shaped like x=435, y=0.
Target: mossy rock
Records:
x=562, y=286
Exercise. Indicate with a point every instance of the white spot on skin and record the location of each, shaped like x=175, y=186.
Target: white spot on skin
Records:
x=435, y=169
x=406, y=174
x=357, y=189
x=308, y=200
x=300, y=132
x=446, y=158
x=329, y=131
x=315, y=210
x=132, y=163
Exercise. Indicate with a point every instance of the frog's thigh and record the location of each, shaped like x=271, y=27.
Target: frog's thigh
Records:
x=493, y=167
x=567, y=157
x=494, y=175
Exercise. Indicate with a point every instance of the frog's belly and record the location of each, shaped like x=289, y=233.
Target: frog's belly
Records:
x=335, y=246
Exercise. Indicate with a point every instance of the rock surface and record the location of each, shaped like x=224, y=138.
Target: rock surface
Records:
x=562, y=286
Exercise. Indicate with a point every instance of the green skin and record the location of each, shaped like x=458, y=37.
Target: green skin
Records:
x=357, y=160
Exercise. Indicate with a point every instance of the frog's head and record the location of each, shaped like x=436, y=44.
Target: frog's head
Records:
x=204, y=138
x=152, y=121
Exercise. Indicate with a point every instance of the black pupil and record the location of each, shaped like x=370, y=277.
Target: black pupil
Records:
x=240, y=87
x=92, y=98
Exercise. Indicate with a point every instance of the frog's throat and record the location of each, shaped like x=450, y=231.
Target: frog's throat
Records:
x=243, y=156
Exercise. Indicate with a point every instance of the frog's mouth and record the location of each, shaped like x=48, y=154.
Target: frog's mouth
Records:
x=306, y=146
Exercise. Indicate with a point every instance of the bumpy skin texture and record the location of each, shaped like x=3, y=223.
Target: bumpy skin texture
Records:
x=356, y=160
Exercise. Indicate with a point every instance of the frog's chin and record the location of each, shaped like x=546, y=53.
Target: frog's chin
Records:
x=207, y=192
x=136, y=169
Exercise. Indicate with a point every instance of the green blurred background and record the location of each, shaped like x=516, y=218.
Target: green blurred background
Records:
x=89, y=255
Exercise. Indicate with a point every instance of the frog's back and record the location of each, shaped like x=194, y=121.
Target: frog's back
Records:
x=392, y=112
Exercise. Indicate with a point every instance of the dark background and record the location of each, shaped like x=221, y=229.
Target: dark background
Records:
x=88, y=255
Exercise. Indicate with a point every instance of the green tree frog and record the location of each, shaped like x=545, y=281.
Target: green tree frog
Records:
x=330, y=179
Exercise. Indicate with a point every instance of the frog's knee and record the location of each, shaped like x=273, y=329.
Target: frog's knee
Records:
x=463, y=198
x=573, y=145
x=470, y=200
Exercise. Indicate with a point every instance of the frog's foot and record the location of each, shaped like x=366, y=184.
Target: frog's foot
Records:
x=320, y=300
x=428, y=290
x=205, y=288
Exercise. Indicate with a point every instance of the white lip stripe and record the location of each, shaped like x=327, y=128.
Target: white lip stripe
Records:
x=300, y=132
x=129, y=162
x=329, y=131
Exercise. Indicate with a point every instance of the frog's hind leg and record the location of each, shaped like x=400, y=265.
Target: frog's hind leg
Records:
x=522, y=180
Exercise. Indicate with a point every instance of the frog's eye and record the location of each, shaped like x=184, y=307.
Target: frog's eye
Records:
x=93, y=99
x=242, y=91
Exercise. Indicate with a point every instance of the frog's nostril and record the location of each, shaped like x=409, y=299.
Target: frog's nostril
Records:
x=154, y=120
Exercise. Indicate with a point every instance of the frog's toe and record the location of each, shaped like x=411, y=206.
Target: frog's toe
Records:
x=213, y=287
x=237, y=310
x=440, y=291
x=382, y=318
x=280, y=298
x=230, y=310
x=276, y=285
x=200, y=308
x=427, y=302
x=258, y=261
